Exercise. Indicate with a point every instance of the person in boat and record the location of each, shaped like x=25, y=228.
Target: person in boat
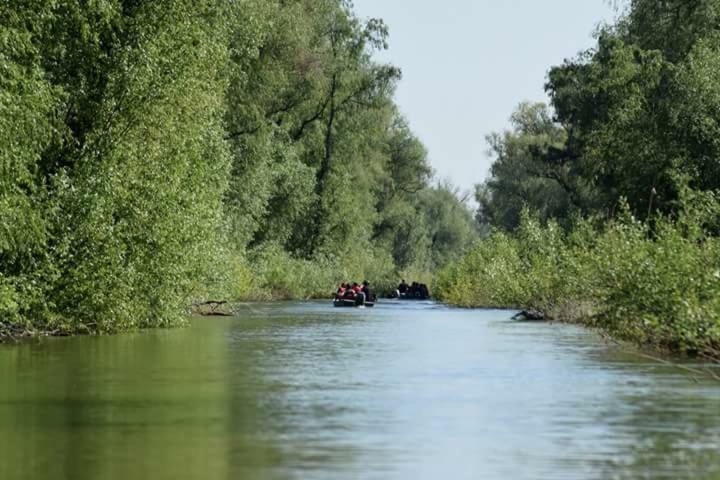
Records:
x=424, y=292
x=402, y=288
x=359, y=295
x=341, y=290
x=350, y=292
x=369, y=296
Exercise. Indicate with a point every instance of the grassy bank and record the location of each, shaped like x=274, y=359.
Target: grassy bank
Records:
x=656, y=285
x=265, y=274
x=272, y=274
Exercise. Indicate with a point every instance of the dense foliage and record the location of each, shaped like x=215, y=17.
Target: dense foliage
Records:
x=659, y=287
x=630, y=143
x=626, y=118
x=152, y=153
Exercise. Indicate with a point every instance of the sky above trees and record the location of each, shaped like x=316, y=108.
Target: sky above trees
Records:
x=468, y=63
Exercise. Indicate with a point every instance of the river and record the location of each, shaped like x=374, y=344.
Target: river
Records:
x=305, y=391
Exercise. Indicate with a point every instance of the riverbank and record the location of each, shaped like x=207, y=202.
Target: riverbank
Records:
x=10, y=332
x=16, y=333
x=262, y=275
x=658, y=288
x=271, y=274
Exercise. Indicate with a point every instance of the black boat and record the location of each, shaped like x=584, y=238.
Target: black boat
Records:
x=413, y=297
x=352, y=302
x=415, y=291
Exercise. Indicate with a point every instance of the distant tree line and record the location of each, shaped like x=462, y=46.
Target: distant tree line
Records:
x=632, y=118
x=155, y=152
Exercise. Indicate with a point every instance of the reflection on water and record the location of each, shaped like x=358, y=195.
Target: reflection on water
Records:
x=302, y=390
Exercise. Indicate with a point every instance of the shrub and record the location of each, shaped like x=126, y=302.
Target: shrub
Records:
x=657, y=286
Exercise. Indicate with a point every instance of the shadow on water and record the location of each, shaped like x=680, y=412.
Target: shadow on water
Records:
x=303, y=390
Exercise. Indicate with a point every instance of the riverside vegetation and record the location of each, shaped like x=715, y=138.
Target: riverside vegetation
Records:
x=153, y=154
x=605, y=207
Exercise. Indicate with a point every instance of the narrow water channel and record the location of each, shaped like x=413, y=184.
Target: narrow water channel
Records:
x=305, y=391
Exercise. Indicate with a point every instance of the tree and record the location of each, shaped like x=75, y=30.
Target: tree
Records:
x=529, y=171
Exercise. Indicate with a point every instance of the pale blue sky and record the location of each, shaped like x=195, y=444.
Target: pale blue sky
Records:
x=468, y=63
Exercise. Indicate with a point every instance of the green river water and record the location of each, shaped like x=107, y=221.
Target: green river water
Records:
x=305, y=391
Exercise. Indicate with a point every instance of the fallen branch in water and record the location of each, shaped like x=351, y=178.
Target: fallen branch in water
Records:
x=214, y=305
x=529, y=316
x=13, y=332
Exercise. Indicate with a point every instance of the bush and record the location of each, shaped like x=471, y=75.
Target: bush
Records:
x=271, y=273
x=656, y=286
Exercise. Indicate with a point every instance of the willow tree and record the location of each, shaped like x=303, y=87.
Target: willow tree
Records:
x=296, y=97
x=127, y=164
x=28, y=128
x=639, y=111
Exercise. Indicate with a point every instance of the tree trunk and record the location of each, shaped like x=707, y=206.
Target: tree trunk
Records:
x=324, y=170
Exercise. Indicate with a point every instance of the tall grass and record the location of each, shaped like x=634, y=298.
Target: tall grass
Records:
x=271, y=273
